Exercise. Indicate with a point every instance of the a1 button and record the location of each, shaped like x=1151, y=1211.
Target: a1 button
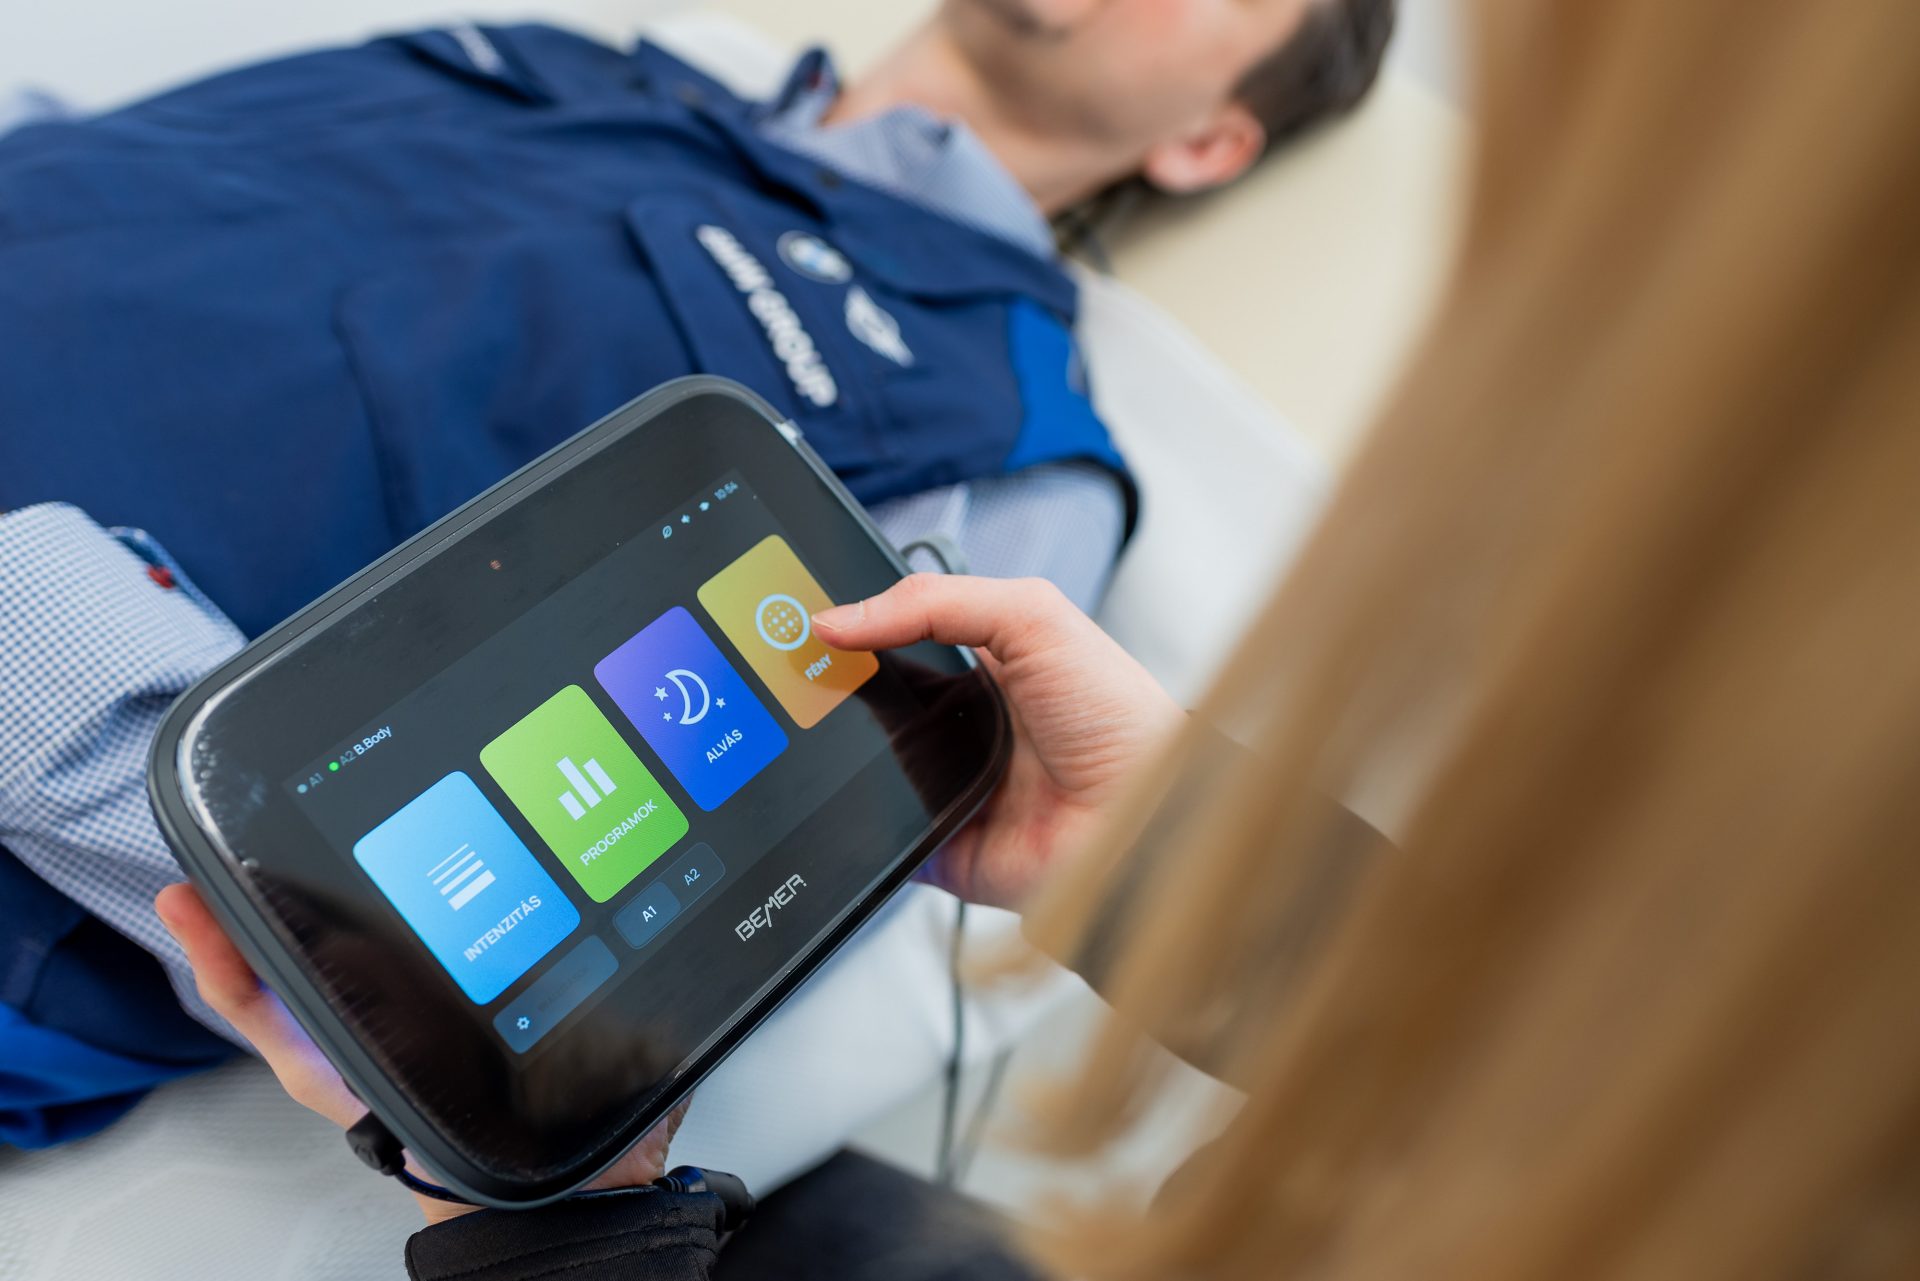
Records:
x=654, y=908
x=648, y=913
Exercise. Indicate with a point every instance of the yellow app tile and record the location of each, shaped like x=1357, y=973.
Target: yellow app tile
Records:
x=765, y=603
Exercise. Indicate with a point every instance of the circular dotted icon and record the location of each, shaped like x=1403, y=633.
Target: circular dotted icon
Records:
x=782, y=622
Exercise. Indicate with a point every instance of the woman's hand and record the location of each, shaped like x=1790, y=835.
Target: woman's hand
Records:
x=230, y=986
x=1086, y=716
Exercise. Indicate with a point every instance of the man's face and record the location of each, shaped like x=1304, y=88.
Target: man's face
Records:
x=1120, y=74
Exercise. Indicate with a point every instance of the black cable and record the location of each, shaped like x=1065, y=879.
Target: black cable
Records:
x=1083, y=229
x=416, y=1184
x=982, y=1111
x=736, y=1202
x=944, y=1170
x=376, y=1145
x=952, y=561
x=941, y=548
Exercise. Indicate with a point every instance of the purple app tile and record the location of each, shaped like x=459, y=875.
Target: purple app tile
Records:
x=692, y=707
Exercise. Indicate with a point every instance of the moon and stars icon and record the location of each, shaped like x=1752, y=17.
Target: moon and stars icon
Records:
x=684, y=683
x=713, y=738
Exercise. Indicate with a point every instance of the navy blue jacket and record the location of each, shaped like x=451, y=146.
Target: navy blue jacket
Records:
x=88, y=1023
x=285, y=317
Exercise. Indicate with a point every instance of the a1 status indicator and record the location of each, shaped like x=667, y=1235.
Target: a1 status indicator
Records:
x=347, y=756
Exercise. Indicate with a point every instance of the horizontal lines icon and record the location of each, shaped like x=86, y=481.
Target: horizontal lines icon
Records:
x=460, y=876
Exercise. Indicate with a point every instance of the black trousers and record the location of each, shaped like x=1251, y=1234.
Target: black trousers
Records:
x=858, y=1219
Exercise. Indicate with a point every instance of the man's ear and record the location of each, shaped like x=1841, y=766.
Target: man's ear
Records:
x=1218, y=152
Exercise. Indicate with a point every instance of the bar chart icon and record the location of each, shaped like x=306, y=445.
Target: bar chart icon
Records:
x=583, y=797
x=559, y=764
x=460, y=876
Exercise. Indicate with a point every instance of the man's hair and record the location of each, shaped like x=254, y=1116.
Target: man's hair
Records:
x=1323, y=70
x=1320, y=71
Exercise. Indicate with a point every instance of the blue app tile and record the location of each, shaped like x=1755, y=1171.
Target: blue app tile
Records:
x=692, y=707
x=468, y=886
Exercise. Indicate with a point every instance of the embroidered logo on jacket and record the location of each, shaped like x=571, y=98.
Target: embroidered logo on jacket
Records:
x=814, y=258
x=792, y=345
x=873, y=325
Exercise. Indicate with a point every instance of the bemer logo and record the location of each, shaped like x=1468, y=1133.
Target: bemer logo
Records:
x=761, y=918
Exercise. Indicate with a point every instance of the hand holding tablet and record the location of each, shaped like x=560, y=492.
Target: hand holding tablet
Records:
x=535, y=818
x=1058, y=788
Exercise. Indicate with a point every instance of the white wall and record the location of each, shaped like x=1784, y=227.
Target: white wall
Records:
x=99, y=52
x=1426, y=47
x=96, y=53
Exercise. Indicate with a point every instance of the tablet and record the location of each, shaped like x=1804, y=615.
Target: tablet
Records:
x=534, y=819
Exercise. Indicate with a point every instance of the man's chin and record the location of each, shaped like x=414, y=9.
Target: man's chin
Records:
x=1030, y=19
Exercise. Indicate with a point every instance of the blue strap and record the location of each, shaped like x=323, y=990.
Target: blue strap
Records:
x=1057, y=422
x=87, y=1022
x=54, y=1089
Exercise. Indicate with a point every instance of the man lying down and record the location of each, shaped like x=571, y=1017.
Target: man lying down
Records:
x=263, y=328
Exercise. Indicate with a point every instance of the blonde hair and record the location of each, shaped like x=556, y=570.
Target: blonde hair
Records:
x=1625, y=590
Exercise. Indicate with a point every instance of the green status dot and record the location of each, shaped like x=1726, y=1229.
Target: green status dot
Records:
x=334, y=766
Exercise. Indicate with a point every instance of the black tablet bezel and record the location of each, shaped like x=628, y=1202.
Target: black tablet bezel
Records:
x=696, y=427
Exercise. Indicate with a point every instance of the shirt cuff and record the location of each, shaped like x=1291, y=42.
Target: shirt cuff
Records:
x=89, y=618
x=645, y=1233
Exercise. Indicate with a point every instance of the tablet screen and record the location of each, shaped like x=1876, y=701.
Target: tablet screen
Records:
x=550, y=813
x=549, y=810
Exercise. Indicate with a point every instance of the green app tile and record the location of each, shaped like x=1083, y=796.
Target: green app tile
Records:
x=586, y=793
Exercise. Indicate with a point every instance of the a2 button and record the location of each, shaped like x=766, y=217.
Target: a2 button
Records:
x=655, y=907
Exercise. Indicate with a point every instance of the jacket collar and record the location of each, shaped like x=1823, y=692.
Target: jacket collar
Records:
x=913, y=250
